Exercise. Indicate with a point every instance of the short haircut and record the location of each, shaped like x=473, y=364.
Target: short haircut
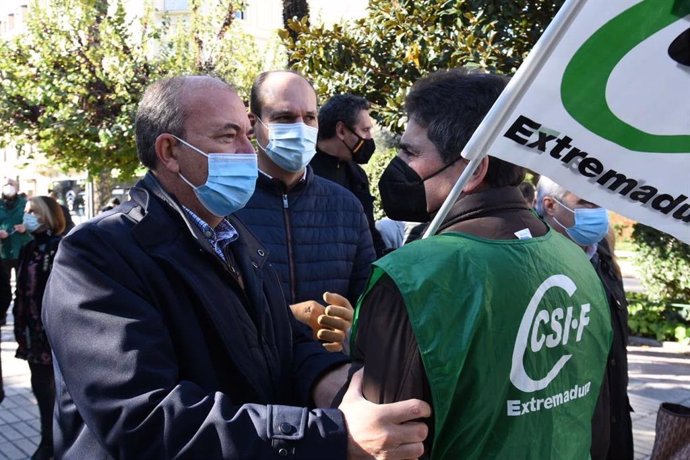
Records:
x=256, y=102
x=451, y=104
x=341, y=107
x=547, y=187
x=49, y=212
x=161, y=111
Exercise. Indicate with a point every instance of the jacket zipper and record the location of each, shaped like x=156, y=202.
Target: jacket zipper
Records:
x=291, y=261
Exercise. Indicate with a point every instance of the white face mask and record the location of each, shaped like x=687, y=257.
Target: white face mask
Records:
x=9, y=190
x=291, y=146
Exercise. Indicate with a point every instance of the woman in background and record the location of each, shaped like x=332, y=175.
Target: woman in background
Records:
x=43, y=218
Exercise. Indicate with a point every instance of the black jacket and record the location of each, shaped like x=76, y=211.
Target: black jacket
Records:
x=159, y=353
x=611, y=424
x=35, y=263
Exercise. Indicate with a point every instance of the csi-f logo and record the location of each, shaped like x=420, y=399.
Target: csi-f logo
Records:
x=543, y=326
x=628, y=82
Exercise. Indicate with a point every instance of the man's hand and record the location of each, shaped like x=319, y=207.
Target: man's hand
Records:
x=330, y=324
x=3, y=234
x=308, y=312
x=335, y=322
x=383, y=431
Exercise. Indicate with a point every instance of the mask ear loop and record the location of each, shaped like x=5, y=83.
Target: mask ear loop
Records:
x=441, y=170
x=190, y=146
x=565, y=207
x=557, y=201
x=192, y=186
x=358, y=145
x=267, y=129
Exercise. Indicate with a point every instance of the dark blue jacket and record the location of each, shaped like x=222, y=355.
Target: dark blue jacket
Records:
x=353, y=177
x=317, y=234
x=159, y=353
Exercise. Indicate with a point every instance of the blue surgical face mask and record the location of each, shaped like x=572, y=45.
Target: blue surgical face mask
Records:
x=591, y=225
x=31, y=222
x=291, y=146
x=230, y=183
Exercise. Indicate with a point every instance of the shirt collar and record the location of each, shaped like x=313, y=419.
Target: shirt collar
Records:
x=218, y=238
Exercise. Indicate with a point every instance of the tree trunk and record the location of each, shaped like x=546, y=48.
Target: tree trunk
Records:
x=102, y=190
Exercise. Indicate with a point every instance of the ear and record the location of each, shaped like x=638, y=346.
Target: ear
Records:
x=252, y=118
x=165, y=152
x=478, y=176
x=340, y=130
x=549, y=204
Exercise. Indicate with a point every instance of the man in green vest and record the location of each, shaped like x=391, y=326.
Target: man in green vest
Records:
x=498, y=321
x=13, y=236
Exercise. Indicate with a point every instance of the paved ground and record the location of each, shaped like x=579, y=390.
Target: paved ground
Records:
x=656, y=375
x=19, y=426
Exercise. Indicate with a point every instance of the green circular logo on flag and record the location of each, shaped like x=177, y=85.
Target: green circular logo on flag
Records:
x=583, y=88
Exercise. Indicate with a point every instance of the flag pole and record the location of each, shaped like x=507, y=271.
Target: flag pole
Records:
x=476, y=147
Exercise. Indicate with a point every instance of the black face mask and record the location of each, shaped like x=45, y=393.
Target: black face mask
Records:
x=363, y=149
x=402, y=192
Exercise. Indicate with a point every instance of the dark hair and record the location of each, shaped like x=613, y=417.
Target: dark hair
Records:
x=341, y=107
x=160, y=111
x=256, y=102
x=451, y=104
x=528, y=191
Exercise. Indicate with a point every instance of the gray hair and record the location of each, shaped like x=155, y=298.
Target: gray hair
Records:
x=548, y=188
x=160, y=111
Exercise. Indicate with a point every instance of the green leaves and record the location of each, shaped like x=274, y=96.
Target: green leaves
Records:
x=71, y=83
x=664, y=264
x=659, y=320
x=381, y=56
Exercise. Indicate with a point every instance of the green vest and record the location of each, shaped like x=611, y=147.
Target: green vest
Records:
x=513, y=335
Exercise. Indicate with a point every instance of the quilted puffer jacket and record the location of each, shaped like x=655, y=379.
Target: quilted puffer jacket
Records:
x=317, y=235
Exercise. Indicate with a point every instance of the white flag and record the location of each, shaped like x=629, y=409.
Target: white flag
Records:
x=602, y=106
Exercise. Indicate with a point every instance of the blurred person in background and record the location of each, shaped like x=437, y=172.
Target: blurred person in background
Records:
x=12, y=238
x=3, y=298
x=69, y=223
x=44, y=220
